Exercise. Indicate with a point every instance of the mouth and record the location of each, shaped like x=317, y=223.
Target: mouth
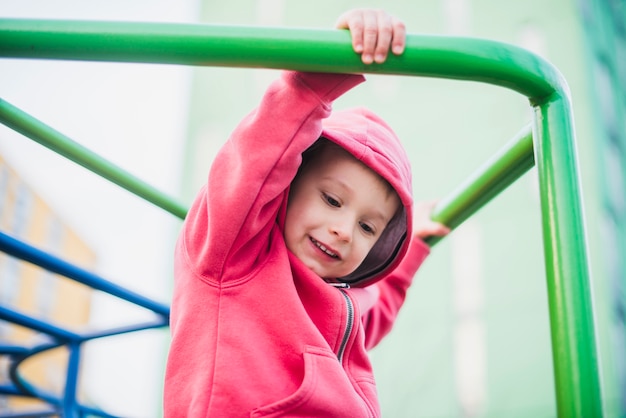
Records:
x=324, y=249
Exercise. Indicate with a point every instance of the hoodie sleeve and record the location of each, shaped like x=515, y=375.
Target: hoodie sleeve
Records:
x=388, y=295
x=233, y=215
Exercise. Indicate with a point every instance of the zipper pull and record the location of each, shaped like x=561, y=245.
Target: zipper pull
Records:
x=340, y=285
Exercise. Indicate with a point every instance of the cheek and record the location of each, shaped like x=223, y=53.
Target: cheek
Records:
x=304, y=210
x=295, y=221
x=288, y=229
x=362, y=249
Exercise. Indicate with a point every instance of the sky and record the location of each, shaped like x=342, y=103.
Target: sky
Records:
x=135, y=116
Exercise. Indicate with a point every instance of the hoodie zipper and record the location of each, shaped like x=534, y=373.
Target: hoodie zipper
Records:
x=349, y=325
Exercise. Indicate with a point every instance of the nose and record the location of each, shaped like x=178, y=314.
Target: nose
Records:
x=342, y=229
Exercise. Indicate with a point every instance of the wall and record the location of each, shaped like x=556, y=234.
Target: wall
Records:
x=474, y=337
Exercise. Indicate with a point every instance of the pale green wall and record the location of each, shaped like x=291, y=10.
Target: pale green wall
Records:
x=449, y=128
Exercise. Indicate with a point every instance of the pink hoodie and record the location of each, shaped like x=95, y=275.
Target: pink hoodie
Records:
x=255, y=332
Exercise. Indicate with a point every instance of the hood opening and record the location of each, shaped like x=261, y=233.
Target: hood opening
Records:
x=370, y=140
x=382, y=254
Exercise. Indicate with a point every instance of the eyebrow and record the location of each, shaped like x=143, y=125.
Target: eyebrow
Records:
x=378, y=214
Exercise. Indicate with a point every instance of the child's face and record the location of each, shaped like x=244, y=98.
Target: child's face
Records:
x=337, y=210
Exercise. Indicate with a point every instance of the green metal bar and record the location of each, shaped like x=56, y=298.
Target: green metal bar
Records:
x=571, y=314
x=572, y=322
x=38, y=131
x=493, y=177
x=284, y=48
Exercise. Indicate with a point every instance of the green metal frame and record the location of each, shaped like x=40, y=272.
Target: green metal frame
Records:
x=577, y=376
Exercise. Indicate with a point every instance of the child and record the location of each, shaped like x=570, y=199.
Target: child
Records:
x=296, y=256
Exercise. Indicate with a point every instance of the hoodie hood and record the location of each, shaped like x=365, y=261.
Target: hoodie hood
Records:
x=370, y=140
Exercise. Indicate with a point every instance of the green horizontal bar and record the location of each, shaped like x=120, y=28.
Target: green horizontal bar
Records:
x=282, y=48
x=493, y=177
x=38, y=131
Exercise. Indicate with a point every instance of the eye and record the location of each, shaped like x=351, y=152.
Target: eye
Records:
x=331, y=200
x=367, y=228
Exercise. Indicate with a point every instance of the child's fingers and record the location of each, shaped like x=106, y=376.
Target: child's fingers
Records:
x=370, y=36
x=362, y=25
x=373, y=33
x=399, y=36
x=384, y=34
x=352, y=20
x=423, y=225
x=439, y=229
x=431, y=229
x=390, y=35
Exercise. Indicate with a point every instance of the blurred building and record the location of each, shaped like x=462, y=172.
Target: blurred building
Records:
x=33, y=291
x=605, y=34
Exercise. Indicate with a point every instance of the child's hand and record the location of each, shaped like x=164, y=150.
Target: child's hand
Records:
x=423, y=226
x=374, y=33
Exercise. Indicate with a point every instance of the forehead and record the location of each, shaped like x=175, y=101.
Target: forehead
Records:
x=336, y=161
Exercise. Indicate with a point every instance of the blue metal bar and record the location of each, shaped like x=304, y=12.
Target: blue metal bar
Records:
x=69, y=405
x=27, y=321
x=13, y=350
x=38, y=413
x=10, y=390
x=25, y=388
x=91, y=335
x=21, y=250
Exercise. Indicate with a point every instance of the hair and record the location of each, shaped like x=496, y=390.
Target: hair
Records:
x=315, y=151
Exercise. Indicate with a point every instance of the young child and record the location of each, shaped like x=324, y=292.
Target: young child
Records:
x=296, y=256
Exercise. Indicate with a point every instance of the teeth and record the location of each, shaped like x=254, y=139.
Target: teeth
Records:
x=323, y=248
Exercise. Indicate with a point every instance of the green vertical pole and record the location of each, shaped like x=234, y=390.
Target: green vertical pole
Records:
x=574, y=348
